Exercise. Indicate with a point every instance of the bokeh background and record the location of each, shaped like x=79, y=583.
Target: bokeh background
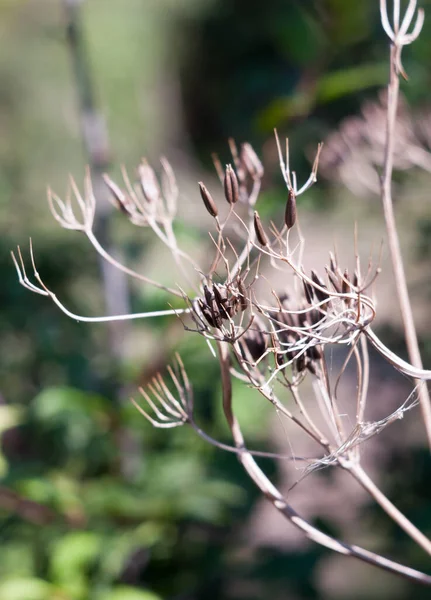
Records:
x=94, y=503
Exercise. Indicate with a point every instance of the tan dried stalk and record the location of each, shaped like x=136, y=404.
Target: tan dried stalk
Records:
x=399, y=38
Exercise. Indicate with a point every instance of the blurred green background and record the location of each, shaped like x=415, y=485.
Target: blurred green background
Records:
x=94, y=503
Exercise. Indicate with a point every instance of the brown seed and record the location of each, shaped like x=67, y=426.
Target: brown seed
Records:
x=290, y=212
x=315, y=352
x=231, y=190
x=260, y=232
x=345, y=287
x=321, y=295
x=308, y=290
x=334, y=280
x=208, y=201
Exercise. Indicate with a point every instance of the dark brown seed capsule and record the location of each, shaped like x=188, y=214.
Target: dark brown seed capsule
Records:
x=243, y=302
x=320, y=294
x=220, y=299
x=332, y=263
x=121, y=200
x=290, y=212
x=251, y=161
x=301, y=363
x=231, y=190
x=260, y=233
x=308, y=291
x=255, y=342
x=220, y=294
x=334, y=280
x=314, y=352
x=208, y=201
x=345, y=287
x=207, y=313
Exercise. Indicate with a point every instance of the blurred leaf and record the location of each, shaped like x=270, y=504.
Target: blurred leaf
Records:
x=26, y=589
x=128, y=593
x=72, y=558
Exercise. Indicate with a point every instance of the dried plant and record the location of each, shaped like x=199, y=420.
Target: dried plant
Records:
x=271, y=339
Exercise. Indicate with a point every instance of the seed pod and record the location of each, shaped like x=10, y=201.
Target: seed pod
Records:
x=220, y=294
x=290, y=212
x=255, y=341
x=208, y=201
x=260, y=233
x=220, y=298
x=206, y=312
x=334, y=280
x=208, y=295
x=243, y=302
x=308, y=291
x=320, y=294
x=315, y=352
x=121, y=200
x=231, y=190
x=356, y=279
x=332, y=263
x=345, y=287
x=251, y=162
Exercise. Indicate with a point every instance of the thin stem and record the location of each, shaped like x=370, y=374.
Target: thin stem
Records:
x=394, y=244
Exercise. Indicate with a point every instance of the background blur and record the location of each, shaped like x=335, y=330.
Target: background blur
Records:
x=94, y=503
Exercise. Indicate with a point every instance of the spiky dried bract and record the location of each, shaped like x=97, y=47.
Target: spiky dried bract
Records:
x=208, y=200
x=231, y=187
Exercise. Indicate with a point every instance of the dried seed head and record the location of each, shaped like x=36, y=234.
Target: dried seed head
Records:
x=356, y=279
x=251, y=161
x=290, y=212
x=258, y=227
x=243, y=302
x=231, y=190
x=208, y=201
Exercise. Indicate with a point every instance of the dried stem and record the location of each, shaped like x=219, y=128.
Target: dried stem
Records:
x=391, y=228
